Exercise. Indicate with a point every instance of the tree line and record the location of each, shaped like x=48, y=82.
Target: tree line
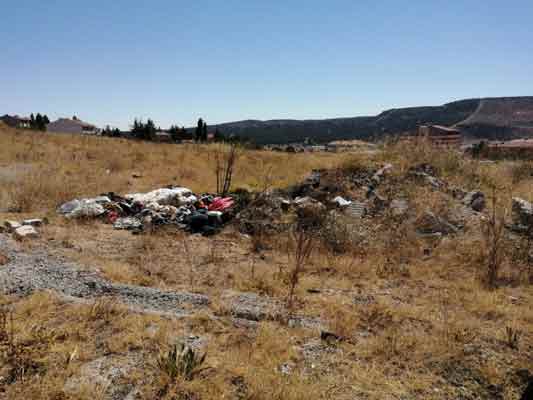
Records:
x=38, y=122
x=148, y=131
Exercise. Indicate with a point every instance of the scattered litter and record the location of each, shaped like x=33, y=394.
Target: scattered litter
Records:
x=341, y=202
x=129, y=223
x=176, y=206
x=84, y=208
x=177, y=196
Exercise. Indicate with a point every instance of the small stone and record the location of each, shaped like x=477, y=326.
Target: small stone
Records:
x=12, y=225
x=475, y=200
x=25, y=232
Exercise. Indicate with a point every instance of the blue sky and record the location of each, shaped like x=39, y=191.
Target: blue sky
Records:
x=174, y=61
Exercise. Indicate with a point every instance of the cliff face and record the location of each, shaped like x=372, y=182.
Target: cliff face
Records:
x=502, y=118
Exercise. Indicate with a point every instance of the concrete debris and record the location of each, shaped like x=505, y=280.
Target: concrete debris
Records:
x=399, y=207
x=381, y=173
x=522, y=214
x=34, y=222
x=430, y=224
x=11, y=226
x=250, y=306
x=108, y=375
x=356, y=210
x=25, y=232
x=426, y=174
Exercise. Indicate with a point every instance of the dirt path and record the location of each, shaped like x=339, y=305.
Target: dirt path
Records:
x=28, y=271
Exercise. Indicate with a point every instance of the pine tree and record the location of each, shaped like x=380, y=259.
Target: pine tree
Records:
x=198, y=132
x=204, y=132
x=39, y=122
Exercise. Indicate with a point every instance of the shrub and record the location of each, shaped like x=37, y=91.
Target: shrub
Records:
x=183, y=362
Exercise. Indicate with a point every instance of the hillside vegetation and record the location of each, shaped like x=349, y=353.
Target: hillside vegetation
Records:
x=483, y=118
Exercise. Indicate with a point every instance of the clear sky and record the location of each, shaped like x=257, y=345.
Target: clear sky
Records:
x=174, y=61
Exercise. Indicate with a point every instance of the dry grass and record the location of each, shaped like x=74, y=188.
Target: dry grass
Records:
x=62, y=167
x=409, y=326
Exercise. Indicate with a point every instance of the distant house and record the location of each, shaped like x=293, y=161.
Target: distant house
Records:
x=162, y=137
x=441, y=136
x=16, y=121
x=511, y=149
x=72, y=125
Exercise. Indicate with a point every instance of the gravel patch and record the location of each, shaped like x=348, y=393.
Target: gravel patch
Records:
x=26, y=272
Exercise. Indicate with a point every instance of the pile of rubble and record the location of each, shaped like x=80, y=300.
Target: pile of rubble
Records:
x=26, y=229
x=358, y=200
x=176, y=206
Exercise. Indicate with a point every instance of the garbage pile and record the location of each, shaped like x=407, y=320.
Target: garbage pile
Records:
x=177, y=206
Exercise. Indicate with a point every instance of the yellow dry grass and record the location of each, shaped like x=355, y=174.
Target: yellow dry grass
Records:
x=411, y=326
x=53, y=168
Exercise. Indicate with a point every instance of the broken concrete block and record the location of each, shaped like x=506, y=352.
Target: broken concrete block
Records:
x=33, y=222
x=522, y=212
x=12, y=225
x=25, y=232
x=429, y=224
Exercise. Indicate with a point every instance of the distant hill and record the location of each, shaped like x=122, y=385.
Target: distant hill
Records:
x=501, y=118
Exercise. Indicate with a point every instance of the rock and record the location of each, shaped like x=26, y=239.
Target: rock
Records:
x=250, y=306
x=107, y=375
x=136, y=175
x=33, y=222
x=429, y=224
x=399, y=207
x=25, y=232
x=475, y=200
x=329, y=337
x=522, y=212
x=311, y=323
x=356, y=210
x=313, y=179
x=11, y=226
x=84, y=208
x=380, y=174
x=175, y=196
x=129, y=223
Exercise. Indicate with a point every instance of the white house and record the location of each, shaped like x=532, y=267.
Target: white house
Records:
x=74, y=125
